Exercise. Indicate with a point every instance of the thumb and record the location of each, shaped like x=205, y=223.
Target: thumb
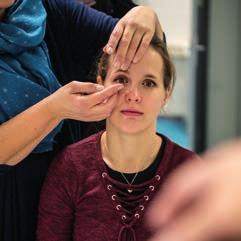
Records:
x=77, y=87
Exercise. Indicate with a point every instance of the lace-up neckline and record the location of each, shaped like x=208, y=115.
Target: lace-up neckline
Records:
x=130, y=207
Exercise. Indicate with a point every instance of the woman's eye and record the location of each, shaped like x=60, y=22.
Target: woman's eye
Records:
x=121, y=80
x=149, y=83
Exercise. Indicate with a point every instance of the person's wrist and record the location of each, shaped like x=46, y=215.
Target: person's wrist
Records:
x=50, y=111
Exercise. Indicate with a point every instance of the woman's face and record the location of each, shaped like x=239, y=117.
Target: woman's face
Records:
x=143, y=95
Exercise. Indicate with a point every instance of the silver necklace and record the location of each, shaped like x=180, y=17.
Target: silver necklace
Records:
x=130, y=190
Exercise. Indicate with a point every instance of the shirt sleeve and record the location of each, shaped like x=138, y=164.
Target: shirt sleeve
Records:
x=85, y=27
x=56, y=208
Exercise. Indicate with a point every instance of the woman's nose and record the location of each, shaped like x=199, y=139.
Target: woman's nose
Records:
x=133, y=95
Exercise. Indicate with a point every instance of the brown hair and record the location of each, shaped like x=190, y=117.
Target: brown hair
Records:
x=158, y=45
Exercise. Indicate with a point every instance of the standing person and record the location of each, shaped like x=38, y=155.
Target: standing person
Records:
x=100, y=187
x=37, y=46
x=201, y=202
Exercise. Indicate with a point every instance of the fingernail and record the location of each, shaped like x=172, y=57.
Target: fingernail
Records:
x=99, y=87
x=109, y=50
x=105, y=101
x=120, y=87
x=135, y=60
x=125, y=66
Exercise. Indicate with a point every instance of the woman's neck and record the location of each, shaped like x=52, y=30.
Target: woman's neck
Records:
x=129, y=153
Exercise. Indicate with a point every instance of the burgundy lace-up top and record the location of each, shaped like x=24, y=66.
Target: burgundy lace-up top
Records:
x=81, y=202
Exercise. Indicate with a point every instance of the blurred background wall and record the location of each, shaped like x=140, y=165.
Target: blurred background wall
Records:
x=204, y=39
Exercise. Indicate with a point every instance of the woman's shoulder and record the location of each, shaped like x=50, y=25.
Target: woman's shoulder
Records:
x=79, y=159
x=83, y=153
x=176, y=152
x=85, y=145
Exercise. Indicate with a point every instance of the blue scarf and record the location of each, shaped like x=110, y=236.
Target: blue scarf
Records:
x=25, y=70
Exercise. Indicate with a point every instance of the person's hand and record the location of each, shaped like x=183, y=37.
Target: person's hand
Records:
x=132, y=36
x=201, y=201
x=83, y=101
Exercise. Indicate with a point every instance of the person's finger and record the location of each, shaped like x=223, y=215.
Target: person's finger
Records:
x=145, y=42
x=124, y=43
x=101, y=96
x=85, y=110
x=108, y=101
x=177, y=193
x=114, y=38
x=76, y=87
x=135, y=42
x=102, y=110
x=95, y=116
x=106, y=106
x=105, y=49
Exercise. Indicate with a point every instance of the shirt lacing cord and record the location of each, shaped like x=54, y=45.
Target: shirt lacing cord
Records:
x=127, y=233
x=131, y=205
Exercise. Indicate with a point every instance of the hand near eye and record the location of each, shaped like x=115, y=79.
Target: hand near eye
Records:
x=201, y=201
x=83, y=101
x=132, y=36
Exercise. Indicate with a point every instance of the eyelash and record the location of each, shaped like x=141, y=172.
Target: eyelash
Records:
x=148, y=83
x=121, y=80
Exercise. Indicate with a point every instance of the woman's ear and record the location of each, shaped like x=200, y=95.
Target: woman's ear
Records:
x=99, y=80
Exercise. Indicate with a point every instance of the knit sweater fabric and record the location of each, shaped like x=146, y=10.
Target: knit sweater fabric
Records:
x=81, y=202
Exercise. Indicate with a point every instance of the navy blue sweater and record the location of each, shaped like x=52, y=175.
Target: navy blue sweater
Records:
x=75, y=33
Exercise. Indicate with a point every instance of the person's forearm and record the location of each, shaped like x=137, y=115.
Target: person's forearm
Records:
x=20, y=135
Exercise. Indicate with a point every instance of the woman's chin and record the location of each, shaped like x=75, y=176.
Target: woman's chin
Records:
x=131, y=129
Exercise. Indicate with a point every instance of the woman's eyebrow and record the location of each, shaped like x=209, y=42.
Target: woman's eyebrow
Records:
x=151, y=76
x=121, y=71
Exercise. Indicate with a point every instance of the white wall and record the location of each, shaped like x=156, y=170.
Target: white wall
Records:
x=224, y=85
x=176, y=20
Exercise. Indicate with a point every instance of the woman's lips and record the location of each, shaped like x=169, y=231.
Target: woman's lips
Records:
x=131, y=113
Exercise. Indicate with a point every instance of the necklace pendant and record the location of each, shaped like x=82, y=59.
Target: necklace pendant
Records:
x=130, y=190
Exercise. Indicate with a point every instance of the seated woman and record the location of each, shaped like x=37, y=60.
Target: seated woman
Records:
x=99, y=188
